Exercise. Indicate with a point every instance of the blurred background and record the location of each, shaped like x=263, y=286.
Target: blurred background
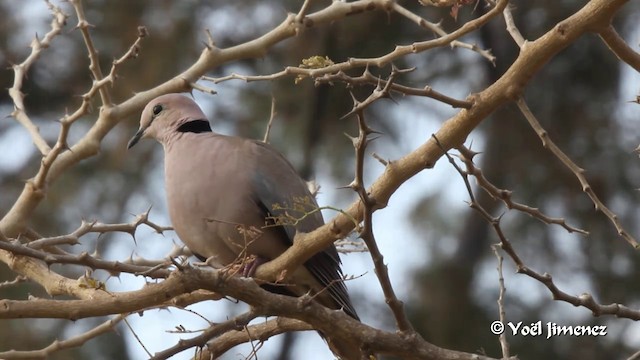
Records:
x=437, y=249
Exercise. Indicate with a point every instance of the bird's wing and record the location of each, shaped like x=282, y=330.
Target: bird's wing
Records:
x=286, y=200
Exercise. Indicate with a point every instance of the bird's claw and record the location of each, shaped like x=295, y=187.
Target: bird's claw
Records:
x=248, y=268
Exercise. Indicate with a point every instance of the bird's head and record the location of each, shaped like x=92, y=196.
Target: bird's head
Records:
x=169, y=114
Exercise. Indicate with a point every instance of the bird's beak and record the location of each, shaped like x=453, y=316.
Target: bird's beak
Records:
x=134, y=140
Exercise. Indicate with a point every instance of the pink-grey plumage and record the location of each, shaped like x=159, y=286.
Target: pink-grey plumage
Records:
x=219, y=188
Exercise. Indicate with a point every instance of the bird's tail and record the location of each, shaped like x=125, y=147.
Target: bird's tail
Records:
x=347, y=350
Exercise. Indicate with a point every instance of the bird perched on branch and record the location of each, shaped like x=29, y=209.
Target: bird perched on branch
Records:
x=230, y=198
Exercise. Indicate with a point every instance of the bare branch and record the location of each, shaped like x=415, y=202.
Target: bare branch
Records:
x=259, y=332
x=466, y=155
x=370, y=204
x=202, y=88
x=503, y=337
x=113, y=267
x=437, y=29
x=271, y=117
x=99, y=228
x=619, y=47
x=300, y=17
x=584, y=300
x=368, y=78
x=576, y=170
x=19, y=279
x=94, y=64
x=58, y=345
x=239, y=322
x=511, y=26
x=20, y=71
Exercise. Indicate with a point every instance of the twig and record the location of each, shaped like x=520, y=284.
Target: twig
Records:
x=261, y=332
x=98, y=85
x=584, y=300
x=202, y=88
x=213, y=331
x=619, y=47
x=113, y=267
x=58, y=345
x=303, y=11
x=100, y=228
x=437, y=29
x=398, y=52
x=94, y=62
x=634, y=356
x=21, y=70
x=503, y=337
x=271, y=117
x=381, y=91
x=466, y=155
x=135, y=335
x=370, y=205
x=347, y=246
x=368, y=78
x=18, y=279
x=512, y=29
x=132, y=53
x=575, y=169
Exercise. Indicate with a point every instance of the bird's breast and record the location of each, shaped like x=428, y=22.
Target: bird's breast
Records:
x=209, y=201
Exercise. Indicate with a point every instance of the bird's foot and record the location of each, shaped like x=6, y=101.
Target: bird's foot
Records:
x=249, y=267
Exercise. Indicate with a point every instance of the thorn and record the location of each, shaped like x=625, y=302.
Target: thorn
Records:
x=353, y=98
x=373, y=131
x=132, y=232
x=354, y=140
x=380, y=159
x=373, y=138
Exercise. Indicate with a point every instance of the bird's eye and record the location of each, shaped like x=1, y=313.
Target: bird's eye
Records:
x=157, y=109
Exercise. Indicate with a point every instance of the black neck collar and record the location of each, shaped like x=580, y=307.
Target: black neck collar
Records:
x=195, y=126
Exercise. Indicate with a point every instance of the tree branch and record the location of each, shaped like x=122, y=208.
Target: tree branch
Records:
x=576, y=170
x=619, y=47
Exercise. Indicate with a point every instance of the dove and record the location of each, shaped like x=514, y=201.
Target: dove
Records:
x=230, y=198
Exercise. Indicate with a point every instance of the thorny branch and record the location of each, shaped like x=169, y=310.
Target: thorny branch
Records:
x=397, y=53
x=437, y=29
x=258, y=332
x=371, y=204
x=511, y=26
x=94, y=64
x=99, y=85
x=21, y=70
x=58, y=345
x=619, y=47
x=182, y=288
x=213, y=331
x=45, y=249
x=575, y=169
x=466, y=155
x=190, y=279
x=584, y=300
x=367, y=78
x=113, y=267
x=502, y=314
x=19, y=279
x=96, y=227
